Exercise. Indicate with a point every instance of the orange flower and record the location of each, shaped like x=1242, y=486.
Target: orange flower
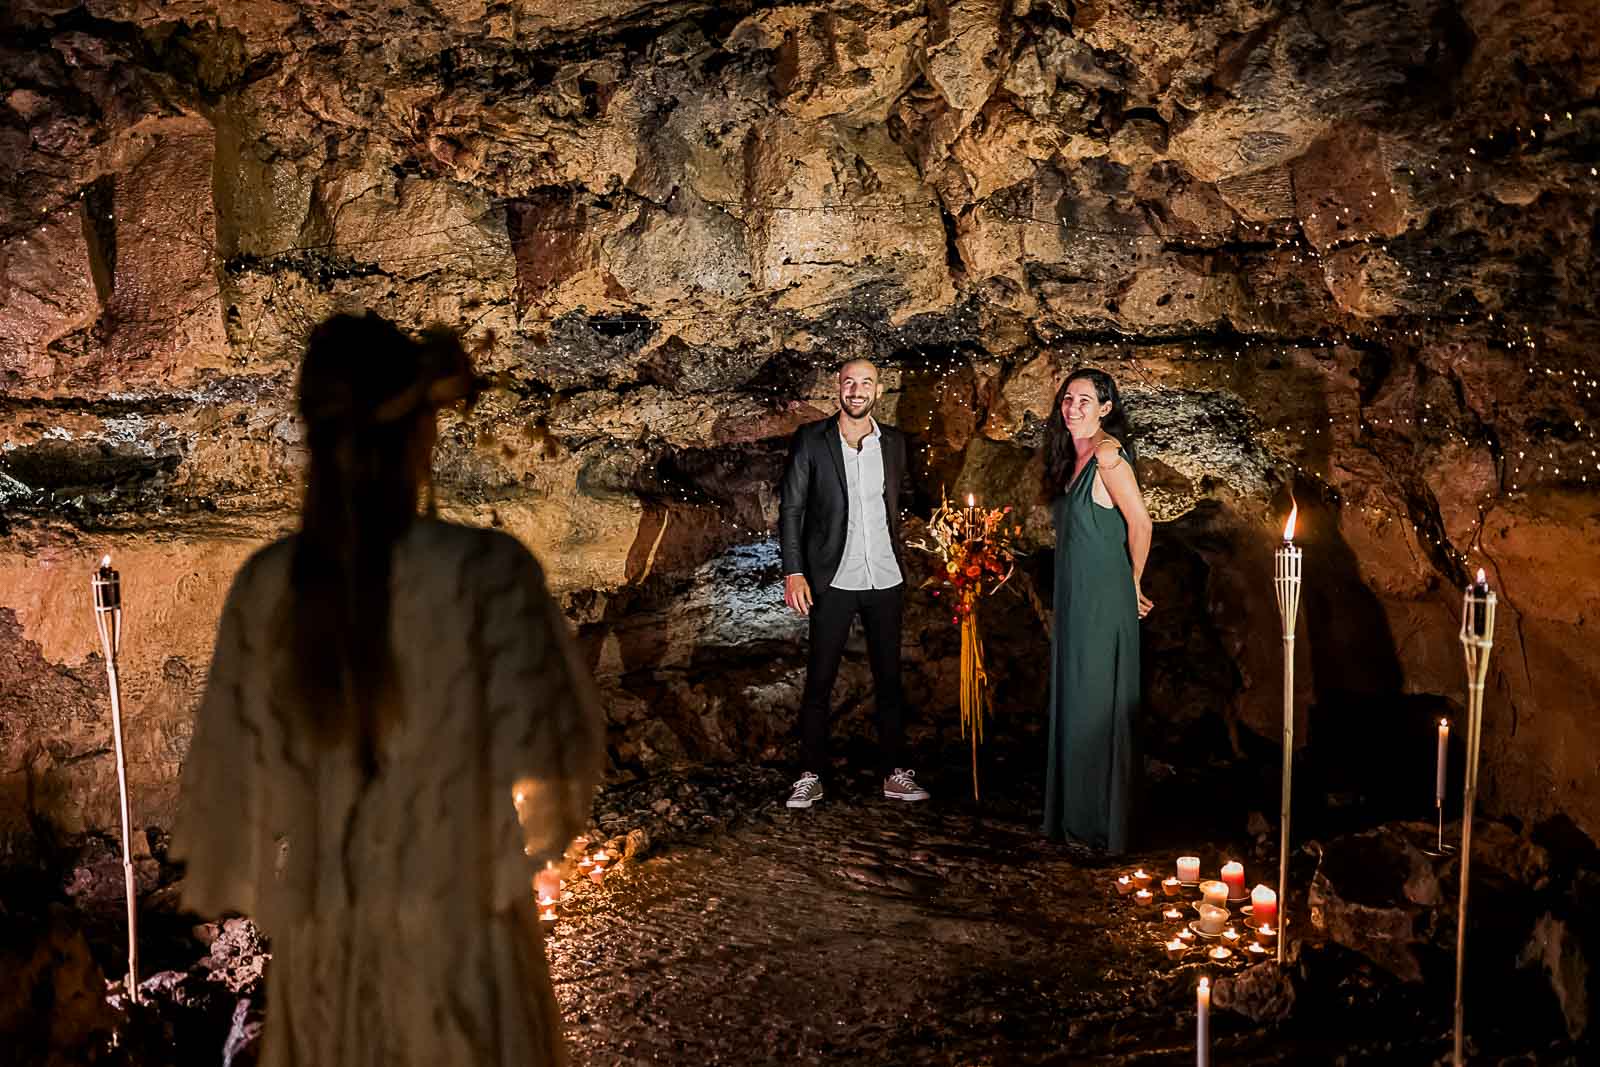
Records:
x=974, y=570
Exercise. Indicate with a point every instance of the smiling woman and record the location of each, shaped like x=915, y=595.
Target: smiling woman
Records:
x=1094, y=650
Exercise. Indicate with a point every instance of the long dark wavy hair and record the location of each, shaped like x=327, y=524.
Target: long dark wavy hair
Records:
x=1059, y=455
x=368, y=395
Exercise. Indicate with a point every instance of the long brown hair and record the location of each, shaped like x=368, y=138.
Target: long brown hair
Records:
x=1059, y=454
x=368, y=393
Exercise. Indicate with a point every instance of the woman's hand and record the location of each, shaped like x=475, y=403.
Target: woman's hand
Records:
x=1145, y=603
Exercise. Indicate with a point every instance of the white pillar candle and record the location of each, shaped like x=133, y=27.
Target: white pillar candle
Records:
x=1215, y=892
x=1202, y=1024
x=1188, y=868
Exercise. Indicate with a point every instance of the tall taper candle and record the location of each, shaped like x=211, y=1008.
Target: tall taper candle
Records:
x=1438, y=772
x=1202, y=1024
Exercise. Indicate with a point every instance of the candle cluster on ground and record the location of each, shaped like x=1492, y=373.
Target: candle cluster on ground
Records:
x=1229, y=922
x=549, y=885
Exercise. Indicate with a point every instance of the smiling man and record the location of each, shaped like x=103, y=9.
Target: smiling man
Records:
x=839, y=525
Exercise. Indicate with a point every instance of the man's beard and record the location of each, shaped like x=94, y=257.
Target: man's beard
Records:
x=866, y=407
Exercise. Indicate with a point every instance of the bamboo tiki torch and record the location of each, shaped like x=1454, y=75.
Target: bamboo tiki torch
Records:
x=1286, y=581
x=107, y=587
x=1477, y=640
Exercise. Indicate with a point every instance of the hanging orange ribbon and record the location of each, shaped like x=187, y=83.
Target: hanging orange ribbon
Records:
x=974, y=682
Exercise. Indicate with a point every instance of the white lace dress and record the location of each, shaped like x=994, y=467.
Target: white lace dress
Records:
x=401, y=912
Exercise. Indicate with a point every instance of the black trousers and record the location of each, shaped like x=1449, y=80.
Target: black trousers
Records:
x=832, y=612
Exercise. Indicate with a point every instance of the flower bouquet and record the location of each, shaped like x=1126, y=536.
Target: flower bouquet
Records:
x=974, y=556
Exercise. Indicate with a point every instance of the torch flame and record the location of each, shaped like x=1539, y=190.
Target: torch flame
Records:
x=1288, y=527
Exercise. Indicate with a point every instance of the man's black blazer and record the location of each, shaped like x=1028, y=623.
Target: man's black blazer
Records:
x=815, y=500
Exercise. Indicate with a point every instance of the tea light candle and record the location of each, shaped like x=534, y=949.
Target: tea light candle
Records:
x=1143, y=896
x=1171, y=886
x=585, y=864
x=1186, y=935
x=597, y=874
x=547, y=915
x=1141, y=880
x=1263, y=905
x=1124, y=885
x=1176, y=949
x=1172, y=915
x=1231, y=936
x=1188, y=868
x=1233, y=876
x=1215, y=892
x=1202, y=1023
x=1266, y=935
x=1221, y=952
x=1256, y=950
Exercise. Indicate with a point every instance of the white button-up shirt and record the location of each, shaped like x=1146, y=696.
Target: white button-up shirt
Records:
x=869, y=561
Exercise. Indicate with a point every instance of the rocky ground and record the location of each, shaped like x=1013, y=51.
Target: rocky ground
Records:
x=867, y=931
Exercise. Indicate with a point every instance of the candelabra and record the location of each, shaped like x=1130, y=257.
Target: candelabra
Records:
x=1286, y=581
x=107, y=587
x=1477, y=641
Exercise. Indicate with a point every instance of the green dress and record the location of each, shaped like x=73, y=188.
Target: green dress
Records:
x=1094, y=672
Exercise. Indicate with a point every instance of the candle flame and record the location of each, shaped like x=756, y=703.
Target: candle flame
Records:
x=1480, y=576
x=105, y=562
x=971, y=500
x=1444, y=724
x=1288, y=527
x=1205, y=985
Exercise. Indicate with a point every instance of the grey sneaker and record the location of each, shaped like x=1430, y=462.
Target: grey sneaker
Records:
x=902, y=785
x=807, y=791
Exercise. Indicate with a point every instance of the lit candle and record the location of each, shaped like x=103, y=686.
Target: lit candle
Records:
x=1266, y=935
x=1263, y=905
x=597, y=874
x=1188, y=868
x=547, y=883
x=1233, y=877
x=1124, y=885
x=1143, y=897
x=1221, y=952
x=1176, y=949
x=1202, y=1024
x=1141, y=880
x=971, y=517
x=1171, y=886
x=1185, y=935
x=1215, y=892
x=1172, y=915
x=1256, y=950
x=1231, y=936
x=547, y=914
x=1438, y=763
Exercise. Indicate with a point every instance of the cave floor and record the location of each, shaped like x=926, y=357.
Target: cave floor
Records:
x=874, y=931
